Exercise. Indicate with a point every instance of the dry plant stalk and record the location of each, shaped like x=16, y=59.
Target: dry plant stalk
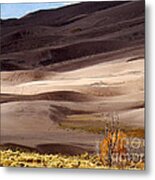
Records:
x=114, y=141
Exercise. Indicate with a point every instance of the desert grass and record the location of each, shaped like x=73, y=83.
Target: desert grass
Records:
x=10, y=158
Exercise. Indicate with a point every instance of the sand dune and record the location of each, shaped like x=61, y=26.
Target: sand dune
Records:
x=61, y=74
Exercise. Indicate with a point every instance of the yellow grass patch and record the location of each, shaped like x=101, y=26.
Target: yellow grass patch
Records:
x=11, y=158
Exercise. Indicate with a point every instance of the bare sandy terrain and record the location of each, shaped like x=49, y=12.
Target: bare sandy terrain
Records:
x=56, y=87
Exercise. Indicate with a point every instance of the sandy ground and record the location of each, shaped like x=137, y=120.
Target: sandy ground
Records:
x=31, y=115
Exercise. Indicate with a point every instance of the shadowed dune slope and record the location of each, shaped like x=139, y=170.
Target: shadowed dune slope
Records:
x=109, y=30
x=54, y=96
